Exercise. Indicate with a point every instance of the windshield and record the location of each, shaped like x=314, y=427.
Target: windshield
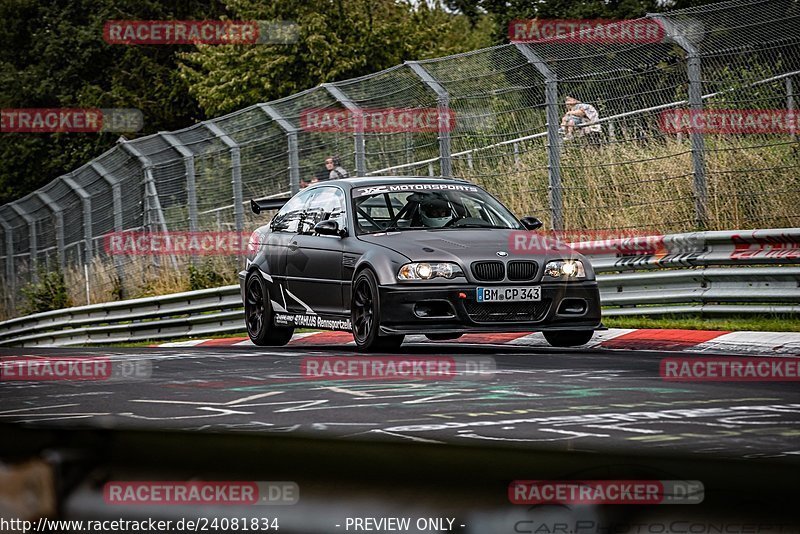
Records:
x=422, y=206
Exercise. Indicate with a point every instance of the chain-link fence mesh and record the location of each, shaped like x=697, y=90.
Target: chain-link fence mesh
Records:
x=506, y=101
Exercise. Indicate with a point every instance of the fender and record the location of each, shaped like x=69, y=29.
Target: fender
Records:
x=384, y=263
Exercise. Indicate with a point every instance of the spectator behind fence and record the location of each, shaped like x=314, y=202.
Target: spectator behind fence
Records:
x=580, y=116
x=333, y=171
x=320, y=175
x=334, y=165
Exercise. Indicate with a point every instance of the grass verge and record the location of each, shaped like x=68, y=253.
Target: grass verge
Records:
x=690, y=322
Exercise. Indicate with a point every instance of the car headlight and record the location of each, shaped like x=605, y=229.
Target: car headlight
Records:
x=566, y=269
x=427, y=271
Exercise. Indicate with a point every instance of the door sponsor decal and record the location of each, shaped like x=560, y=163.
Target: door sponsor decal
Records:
x=312, y=321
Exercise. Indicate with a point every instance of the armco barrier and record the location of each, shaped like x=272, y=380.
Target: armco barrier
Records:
x=737, y=272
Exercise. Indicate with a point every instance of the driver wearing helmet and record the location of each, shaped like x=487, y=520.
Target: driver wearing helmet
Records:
x=435, y=212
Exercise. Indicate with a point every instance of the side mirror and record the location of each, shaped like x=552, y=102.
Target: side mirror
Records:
x=328, y=227
x=531, y=223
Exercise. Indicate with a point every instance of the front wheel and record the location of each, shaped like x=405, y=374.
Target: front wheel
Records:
x=365, y=312
x=567, y=338
x=258, y=315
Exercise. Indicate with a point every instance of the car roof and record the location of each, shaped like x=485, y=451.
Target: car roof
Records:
x=386, y=180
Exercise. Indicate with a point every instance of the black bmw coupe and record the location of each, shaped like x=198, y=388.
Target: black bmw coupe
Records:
x=390, y=256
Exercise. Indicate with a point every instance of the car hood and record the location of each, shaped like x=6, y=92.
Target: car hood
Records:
x=465, y=245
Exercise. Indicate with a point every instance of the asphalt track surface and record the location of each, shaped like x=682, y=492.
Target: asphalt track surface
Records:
x=590, y=400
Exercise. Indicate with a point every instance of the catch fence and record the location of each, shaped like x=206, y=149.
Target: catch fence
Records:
x=506, y=103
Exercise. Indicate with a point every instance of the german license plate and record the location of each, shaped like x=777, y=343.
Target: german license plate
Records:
x=510, y=294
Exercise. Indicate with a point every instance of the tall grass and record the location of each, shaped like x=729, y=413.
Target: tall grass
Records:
x=649, y=185
x=142, y=276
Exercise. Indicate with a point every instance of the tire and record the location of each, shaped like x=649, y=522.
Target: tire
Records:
x=365, y=313
x=568, y=338
x=442, y=337
x=258, y=315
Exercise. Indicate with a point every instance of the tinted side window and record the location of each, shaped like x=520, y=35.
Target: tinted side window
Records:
x=327, y=204
x=289, y=216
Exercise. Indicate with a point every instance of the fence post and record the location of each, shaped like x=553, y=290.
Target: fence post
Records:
x=116, y=203
x=150, y=184
x=694, y=72
x=86, y=205
x=236, y=172
x=790, y=100
x=443, y=107
x=11, y=281
x=292, y=145
x=151, y=193
x=556, y=198
x=58, y=214
x=408, y=142
x=31, y=238
x=191, y=187
x=361, y=166
x=116, y=193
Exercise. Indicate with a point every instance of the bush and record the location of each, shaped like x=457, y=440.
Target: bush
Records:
x=49, y=293
x=204, y=277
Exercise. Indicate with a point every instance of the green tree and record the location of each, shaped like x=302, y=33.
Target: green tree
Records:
x=337, y=40
x=49, y=293
x=504, y=11
x=52, y=54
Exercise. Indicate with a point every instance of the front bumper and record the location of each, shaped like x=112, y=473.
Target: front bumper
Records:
x=401, y=308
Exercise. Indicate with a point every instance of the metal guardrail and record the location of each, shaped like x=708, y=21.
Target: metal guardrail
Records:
x=193, y=313
x=715, y=273
x=736, y=272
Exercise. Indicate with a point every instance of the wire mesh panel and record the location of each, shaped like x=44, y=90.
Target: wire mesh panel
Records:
x=315, y=145
x=497, y=97
x=264, y=154
x=496, y=94
x=127, y=171
x=400, y=118
x=70, y=221
x=622, y=171
x=41, y=217
x=20, y=249
x=749, y=51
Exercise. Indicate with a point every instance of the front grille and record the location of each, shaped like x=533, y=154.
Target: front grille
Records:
x=488, y=271
x=522, y=270
x=494, y=312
